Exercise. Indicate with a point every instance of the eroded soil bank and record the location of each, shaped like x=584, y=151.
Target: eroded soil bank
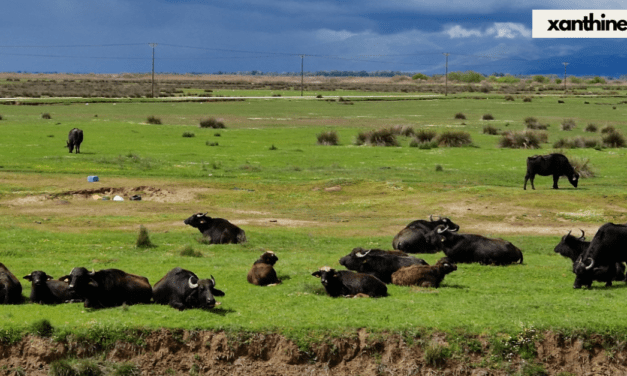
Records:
x=218, y=353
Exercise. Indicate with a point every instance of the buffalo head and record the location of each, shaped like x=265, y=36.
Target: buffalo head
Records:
x=38, y=278
x=203, y=292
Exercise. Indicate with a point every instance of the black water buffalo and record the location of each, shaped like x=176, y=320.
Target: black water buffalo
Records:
x=218, y=230
x=347, y=283
x=74, y=140
x=572, y=247
x=10, y=287
x=378, y=263
x=467, y=248
x=262, y=273
x=45, y=290
x=412, y=239
x=424, y=275
x=605, y=250
x=182, y=289
x=551, y=164
x=108, y=287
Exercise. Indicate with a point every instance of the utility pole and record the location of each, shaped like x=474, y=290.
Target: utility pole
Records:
x=446, y=76
x=302, y=62
x=565, y=64
x=153, y=45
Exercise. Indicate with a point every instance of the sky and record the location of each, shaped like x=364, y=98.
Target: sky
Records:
x=210, y=36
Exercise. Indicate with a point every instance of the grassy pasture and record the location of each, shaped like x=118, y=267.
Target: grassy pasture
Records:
x=325, y=201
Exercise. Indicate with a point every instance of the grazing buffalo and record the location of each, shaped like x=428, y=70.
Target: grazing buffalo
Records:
x=412, y=239
x=347, y=283
x=424, y=275
x=262, y=273
x=74, y=140
x=10, y=287
x=108, y=287
x=572, y=247
x=378, y=263
x=467, y=248
x=605, y=250
x=45, y=290
x=551, y=164
x=218, y=230
x=182, y=289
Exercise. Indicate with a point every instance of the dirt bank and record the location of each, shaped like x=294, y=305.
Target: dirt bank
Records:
x=219, y=353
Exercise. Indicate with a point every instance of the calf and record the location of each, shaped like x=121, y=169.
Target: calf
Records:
x=573, y=247
x=412, y=239
x=423, y=275
x=551, y=164
x=378, y=263
x=347, y=283
x=74, y=140
x=218, y=230
x=45, y=290
x=10, y=287
x=262, y=273
x=108, y=287
x=182, y=289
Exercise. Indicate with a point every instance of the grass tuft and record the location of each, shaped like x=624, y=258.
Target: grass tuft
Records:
x=522, y=140
x=153, y=120
x=614, y=140
x=591, y=128
x=568, y=125
x=454, y=139
x=381, y=137
x=189, y=134
x=212, y=123
x=189, y=251
x=460, y=116
x=143, y=238
x=42, y=328
x=46, y=115
x=328, y=138
x=487, y=117
x=488, y=129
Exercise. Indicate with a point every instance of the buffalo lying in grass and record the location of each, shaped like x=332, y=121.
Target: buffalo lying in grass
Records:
x=262, y=273
x=347, y=283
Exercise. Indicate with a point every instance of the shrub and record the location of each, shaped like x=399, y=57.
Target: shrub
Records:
x=461, y=116
x=577, y=142
x=597, y=80
x=568, y=125
x=614, y=140
x=208, y=143
x=509, y=98
x=508, y=80
x=381, y=137
x=608, y=129
x=591, y=128
x=487, y=117
x=424, y=135
x=46, y=115
x=527, y=99
x=153, y=120
x=189, y=251
x=532, y=123
x=419, y=76
x=42, y=328
x=523, y=140
x=189, y=134
x=403, y=130
x=488, y=129
x=211, y=123
x=436, y=355
x=272, y=147
x=558, y=80
x=454, y=138
x=424, y=145
x=319, y=96
x=439, y=168
x=582, y=166
x=328, y=138
x=540, y=79
x=468, y=76
x=143, y=238
x=1, y=117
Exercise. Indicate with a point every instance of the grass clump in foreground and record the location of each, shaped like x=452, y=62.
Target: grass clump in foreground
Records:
x=328, y=138
x=143, y=238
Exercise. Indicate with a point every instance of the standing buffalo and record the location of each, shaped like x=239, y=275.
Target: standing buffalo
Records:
x=45, y=290
x=74, y=140
x=606, y=249
x=424, y=275
x=412, y=239
x=10, y=287
x=108, y=287
x=218, y=230
x=378, y=263
x=262, y=273
x=572, y=247
x=347, y=283
x=551, y=164
x=182, y=289
x=467, y=248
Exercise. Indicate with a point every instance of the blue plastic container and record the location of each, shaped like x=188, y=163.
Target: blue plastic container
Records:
x=92, y=179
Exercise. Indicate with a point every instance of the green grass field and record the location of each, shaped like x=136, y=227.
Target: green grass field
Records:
x=268, y=175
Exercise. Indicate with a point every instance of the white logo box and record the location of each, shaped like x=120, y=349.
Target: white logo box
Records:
x=580, y=23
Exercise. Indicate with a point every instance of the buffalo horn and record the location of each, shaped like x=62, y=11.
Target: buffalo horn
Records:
x=569, y=232
x=583, y=235
x=359, y=254
x=591, y=264
x=213, y=280
x=441, y=231
x=192, y=285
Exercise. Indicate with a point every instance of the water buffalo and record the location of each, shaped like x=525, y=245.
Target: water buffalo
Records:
x=218, y=230
x=424, y=275
x=605, y=250
x=45, y=290
x=74, y=140
x=108, y=287
x=378, y=263
x=412, y=239
x=467, y=248
x=347, y=283
x=572, y=247
x=551, y=164
x=182, y=289
x=10, y=287
x=262, y=273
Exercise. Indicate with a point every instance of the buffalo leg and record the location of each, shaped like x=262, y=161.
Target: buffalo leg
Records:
x=529, y=177
x=555, y=179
